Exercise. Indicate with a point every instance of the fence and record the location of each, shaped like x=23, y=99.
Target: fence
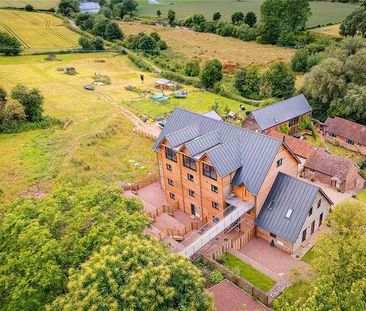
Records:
x=143, y=183
x=201, y=223
x=237, y=280
x=145, y=134
x=235, y=244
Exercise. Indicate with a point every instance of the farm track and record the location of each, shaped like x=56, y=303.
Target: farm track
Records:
x=12, y=32
x=57, y=34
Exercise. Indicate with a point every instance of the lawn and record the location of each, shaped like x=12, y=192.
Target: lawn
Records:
x=247, y=272
x=196, y=101
x=38, y=32
x=231, y=52
x=310, y=257
x=98, y=144
x=37, y=4
x=324, y=12
x=362, y=195
x=293, y=293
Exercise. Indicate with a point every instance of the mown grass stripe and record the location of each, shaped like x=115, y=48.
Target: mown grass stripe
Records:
x=12, y=32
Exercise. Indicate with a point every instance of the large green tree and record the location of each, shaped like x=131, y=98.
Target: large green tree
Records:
x=355, y=23
x=40, y=240
x=278, y=80
x=211, y=73
x=341, y=265
x=68, y=7
x=135, y=273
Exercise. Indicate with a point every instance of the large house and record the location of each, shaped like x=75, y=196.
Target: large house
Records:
x=209, y=168
x=337, y=172
x=346, y=133
x=285, y=113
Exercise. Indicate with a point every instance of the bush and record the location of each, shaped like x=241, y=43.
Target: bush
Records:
x=140, y=62
x=9, y=45
x=216, y=276
x=192, y=68
x=28, y=8
x=162, y=45
x=211, y=73
x=299, y=62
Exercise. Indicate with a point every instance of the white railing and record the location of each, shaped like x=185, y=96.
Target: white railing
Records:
x=219, y=227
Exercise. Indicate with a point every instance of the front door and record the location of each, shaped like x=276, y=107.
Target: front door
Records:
x=193, y=209
x=312, y=227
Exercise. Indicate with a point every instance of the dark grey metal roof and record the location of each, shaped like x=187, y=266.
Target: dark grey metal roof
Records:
x=89, y=7
x=275, y=114
x=230, y=148
x=213, y=115
x=287, y=193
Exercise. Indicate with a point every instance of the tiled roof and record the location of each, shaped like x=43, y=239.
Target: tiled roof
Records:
x=347, y=129
x=230, y=148
x=299, y=147
x=275, y=114
x=331, y=165
x=290, y=197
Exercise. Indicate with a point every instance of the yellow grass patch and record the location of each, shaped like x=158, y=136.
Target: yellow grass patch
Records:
x=202, y=46
x=332, y=30
x=38, y=32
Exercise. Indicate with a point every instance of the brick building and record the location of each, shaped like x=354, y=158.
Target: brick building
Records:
x=345, y=133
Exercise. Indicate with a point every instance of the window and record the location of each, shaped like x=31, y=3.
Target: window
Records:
x=169, y=167
x=190, y=177
x=191, y=193
x=333, y=135
x=310, y=211
x=215, y=205
x=209, y=171
x=312, y=227
x=172, y=195
x=319, y=203
x=193, y=209
x=320, y=219
x=311, y=170
x=214, y=189
x=170, y=182
x=293, y=122
x=189, y=162
x=289, y=213
x=350, y=142
x=170, y=154
x=303, y=236
x=279, y=162
x=272, y=235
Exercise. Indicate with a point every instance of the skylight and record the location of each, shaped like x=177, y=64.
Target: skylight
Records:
x=276, y=120
x=289, y=213
x=270, y=205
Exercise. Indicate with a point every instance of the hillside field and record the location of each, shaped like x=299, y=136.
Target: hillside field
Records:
x=323, y=12
x=38, y=32
x=202, y=46
x=37, y=4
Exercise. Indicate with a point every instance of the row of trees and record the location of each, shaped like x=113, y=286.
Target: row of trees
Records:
x=83, y=248
x=341, y=265
x=148, y=44
x=355, y=24
x=24, y=105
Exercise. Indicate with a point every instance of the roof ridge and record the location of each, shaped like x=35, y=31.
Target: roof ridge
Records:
x=227, y=124
x=184, y=128
x=280, y=102
x=299, y=180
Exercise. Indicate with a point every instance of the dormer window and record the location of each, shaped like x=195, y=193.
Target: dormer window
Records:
x=270, y=205
x=209, y=171
x=279, y=162
x=189, y=162
x=170, y=154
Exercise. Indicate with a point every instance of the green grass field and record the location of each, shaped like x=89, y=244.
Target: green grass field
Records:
x=98, y=144
x=38, y=32
x=37, y=4
x=196, y=101
x=323, y=12
x=362, y=196
x=247, y=272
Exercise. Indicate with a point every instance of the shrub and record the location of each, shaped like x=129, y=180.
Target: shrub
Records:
x=140, y=62
x=162, y=45
x=216, y=276
x=192, y=68
x=28, y=7
x=299, y=62
x=180, y=78
x=211, y=73
x=9, y=45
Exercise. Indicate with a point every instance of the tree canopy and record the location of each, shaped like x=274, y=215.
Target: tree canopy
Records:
x=355, y=23
x=68, y=7
x=9, y=45
x=211, y=73
x=40, y=240
x=135, y=273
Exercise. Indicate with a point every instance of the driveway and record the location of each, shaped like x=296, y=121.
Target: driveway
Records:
x=228, y=297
